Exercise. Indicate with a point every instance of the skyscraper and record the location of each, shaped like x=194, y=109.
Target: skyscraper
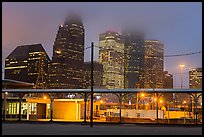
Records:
x=66, y=68
x=23, y=63
x=168, y=83
x=97, y=74
x=111, y=56
x=153, y=72
x=134, y=58
x=195, y=78
x=195, y=81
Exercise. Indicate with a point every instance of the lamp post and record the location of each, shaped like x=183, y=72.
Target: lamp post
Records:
x=157, y=105
x=184, y=103
x=142, y=96
x=182, y=67
x=160, y=101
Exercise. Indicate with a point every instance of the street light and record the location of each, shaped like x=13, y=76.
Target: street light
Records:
x=182, y=67
x=142, y=97
x=160, y=101
x=176, y=97
x=184, y=103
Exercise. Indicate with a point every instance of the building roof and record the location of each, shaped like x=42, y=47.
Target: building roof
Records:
x=23, y=51
x=14, y=84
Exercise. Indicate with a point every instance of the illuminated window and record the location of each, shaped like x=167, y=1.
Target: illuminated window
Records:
x=16, y=67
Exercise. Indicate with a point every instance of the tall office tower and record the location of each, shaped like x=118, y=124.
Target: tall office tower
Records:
x=23, y=63
x=195, y=78
x=134, y=58
x=66, y=68
x=97, y=74
x=168, y=84
x=195, y=81
x=153, y=72
x=41, y=82
x=111, y=56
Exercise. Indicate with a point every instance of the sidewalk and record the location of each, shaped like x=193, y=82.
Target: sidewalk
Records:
x=43, y=128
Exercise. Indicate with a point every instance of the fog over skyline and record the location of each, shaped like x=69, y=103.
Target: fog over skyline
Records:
x=177, y=25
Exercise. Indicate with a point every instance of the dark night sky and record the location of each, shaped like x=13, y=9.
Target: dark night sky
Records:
x=177, y=25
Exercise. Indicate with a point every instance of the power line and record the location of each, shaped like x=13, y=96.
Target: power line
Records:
x=179, y=73
x=174, y=55
x=186, y=54
x=90, y=47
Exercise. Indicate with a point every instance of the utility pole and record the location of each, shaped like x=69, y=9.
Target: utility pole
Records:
x=92, y=82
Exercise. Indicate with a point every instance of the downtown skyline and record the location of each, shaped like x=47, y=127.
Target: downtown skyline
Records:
x=33, y=28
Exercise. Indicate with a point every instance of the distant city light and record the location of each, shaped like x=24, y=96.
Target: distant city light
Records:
x=98, y=97
x=129, y=102
x=160, y=101
x=70, y=96
x=58, y=52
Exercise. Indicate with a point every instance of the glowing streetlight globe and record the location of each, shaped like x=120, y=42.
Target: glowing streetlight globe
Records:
x=182, y=65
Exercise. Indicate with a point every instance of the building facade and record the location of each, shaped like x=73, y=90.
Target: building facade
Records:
x=23, y=63
x=134, y=58
x=195, y=81
x=66, y=68
x=97, y=74
x=195, y=78
x=168, y=83
x=111, y=56
x=153, y=72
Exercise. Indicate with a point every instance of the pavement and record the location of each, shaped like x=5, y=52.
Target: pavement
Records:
x=45, y=128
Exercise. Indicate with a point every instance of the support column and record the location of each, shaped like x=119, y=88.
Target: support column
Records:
x=196, y=109
x=194, y=106
x=157, y=107
x=77, y=111
x=85, y=100
x=4, y=108
x=28, y=110
x=168, y=112
x=120, y=103
x=197, y=105
x=137, y=102
x=20, y=100
x=51, y=107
